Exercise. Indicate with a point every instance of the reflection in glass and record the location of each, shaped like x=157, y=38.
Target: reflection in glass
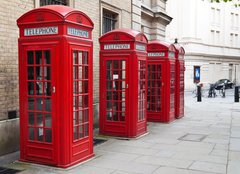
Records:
x=31, y=118
x=80, y=118
x=48, y=135
x=124, y=64
x=30, y=57
x=39, y=87
x=40, y=134
x=79, y=57
x=31, y=133
x=80, y=72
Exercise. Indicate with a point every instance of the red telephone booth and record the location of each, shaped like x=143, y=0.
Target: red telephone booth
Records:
x=179, y=87
x=55, y=86
x=161, y=82
x=123, y=83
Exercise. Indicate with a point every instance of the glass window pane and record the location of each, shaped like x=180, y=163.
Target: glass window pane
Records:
x=38, y=57
x=85, y=72
x=39, y=88
x=48, y=135
x=39, y=104
x=30, y=103
x=47, y=57
x=48, y=104
x=86, y=117
x=31, y=118
x=85, y=58
x=109, y=63
x=81, y=131
x=75, y=87
x=75, y=133
x=48, y=120
x=75, y=114
x=48, y=89
x=80, y=72
x=30, y=73
x=39, y=120
x=40, y=134
x=75, y=101
x=75, y=72
x=31, y=133
x=80, y=118
x=47, y=73
x=30, y=88
x=80, y=58
x=86, y=128
x=85, y=86
x=85, y=101
x=75, y=60
x=30, y=57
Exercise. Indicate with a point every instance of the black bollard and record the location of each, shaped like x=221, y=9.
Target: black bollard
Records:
x=236, y=94
x=199, y=93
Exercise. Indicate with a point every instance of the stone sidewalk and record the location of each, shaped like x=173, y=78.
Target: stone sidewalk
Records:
x=205, y=141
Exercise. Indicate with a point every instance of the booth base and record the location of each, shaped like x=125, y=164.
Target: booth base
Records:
x=122, y=138
x=57, y=166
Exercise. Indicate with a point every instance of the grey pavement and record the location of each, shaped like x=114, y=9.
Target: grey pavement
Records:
x=205, y=141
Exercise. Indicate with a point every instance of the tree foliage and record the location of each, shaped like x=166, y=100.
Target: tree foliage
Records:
x=235, y=2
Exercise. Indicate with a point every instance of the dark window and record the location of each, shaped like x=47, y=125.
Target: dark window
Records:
x=51, y=2
x=109, y=21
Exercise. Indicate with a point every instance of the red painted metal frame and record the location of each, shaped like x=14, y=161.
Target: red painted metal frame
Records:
x=179, y=94
x=63, y=151
x=165, y=57
x=131, y=126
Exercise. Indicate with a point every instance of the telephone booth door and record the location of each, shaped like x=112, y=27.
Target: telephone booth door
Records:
x=161, y=82
x=155, y=89
x=115, y=89
x=39, y=92
x=123, y=83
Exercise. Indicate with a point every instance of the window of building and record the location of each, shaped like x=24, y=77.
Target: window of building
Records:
x=51, y=2
x=231, y=39
x=215, y=37
x=109, y=21
x=215, y=16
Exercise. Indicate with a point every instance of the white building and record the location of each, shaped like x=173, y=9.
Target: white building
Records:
x=210, y=34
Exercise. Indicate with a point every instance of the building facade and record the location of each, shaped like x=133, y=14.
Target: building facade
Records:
x=209, y=33
x=148, y=16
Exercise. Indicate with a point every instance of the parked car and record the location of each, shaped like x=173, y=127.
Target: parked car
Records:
x=220, y=83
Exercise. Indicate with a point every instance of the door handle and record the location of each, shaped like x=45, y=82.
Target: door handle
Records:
x=53, y=89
